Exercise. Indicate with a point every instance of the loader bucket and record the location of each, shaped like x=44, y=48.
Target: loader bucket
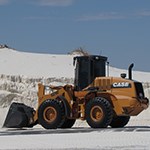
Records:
x=19, y=115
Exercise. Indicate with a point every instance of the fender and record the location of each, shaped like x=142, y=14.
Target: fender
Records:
x=88, y=95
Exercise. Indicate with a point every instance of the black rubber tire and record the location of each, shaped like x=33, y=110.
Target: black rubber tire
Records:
x=107, y=112
x=119, y=121
x=59, y=109
x=68, y=123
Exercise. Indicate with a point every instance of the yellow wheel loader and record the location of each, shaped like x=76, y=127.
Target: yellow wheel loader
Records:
x=101, y=101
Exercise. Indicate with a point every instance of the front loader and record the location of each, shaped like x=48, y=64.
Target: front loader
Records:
x=101, y=101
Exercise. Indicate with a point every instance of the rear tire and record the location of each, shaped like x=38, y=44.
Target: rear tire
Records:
x=99, y=113
x=119, y=121
x=68, y=123
x=51, y=114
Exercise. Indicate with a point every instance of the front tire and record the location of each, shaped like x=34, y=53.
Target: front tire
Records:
x=51, y=114
x=99, y=113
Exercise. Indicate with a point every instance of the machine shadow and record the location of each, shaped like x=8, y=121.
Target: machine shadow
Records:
x=36, y=131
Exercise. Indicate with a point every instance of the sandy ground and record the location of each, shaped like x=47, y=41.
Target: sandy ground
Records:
x=105, y=140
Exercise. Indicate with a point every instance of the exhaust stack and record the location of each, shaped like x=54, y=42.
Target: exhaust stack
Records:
x=130, y=71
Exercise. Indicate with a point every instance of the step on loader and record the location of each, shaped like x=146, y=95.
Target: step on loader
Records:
x=100, y=100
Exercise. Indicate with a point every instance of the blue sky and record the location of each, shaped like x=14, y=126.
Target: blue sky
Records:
x=118, y=29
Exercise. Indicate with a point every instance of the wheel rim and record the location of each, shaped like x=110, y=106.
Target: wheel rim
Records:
x=96, y=113
x=50, y=114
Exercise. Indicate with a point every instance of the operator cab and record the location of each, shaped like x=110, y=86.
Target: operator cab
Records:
x=87, y=69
